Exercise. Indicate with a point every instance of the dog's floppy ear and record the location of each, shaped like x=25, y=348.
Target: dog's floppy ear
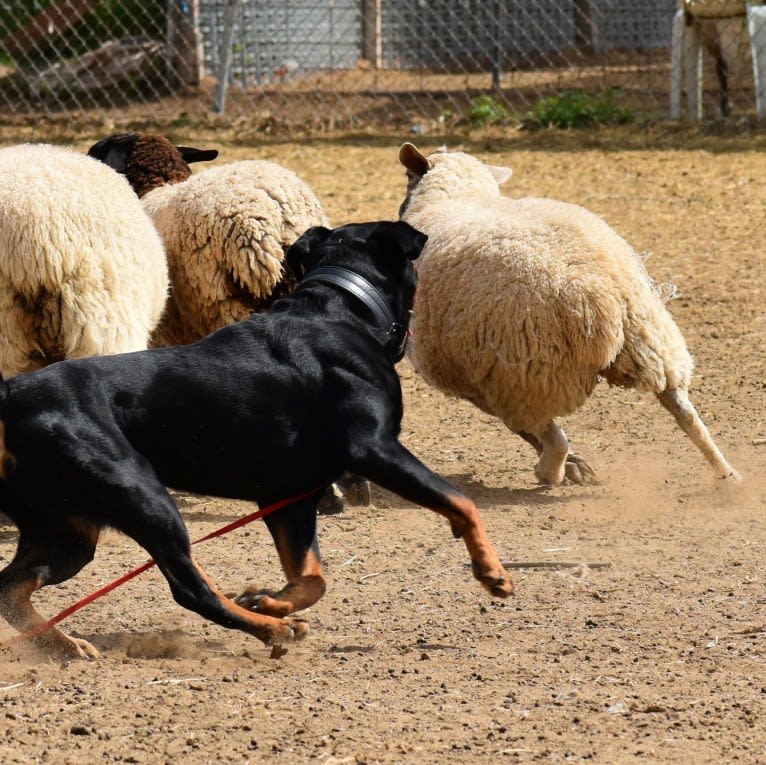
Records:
x=302, y=255
x=191, y=154
x=401, y=236
x=115, y=150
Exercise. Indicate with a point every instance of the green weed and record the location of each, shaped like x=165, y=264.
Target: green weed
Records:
x=485, y=110
x=577, y=108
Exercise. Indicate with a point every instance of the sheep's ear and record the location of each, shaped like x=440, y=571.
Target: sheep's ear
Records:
x=114, y=150
x=401, y=236
x=500, y=174
x=302, y=255
x=413, y=160
x=191, y=154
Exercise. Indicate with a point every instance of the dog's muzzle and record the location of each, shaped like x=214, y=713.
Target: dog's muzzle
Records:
x=396, y=332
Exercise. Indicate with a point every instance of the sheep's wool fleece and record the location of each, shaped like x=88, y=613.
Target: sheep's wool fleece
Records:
x=523, y=304
x=82, y=269
x=226, y=230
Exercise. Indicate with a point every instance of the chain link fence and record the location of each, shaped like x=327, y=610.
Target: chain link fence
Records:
x=348, y=63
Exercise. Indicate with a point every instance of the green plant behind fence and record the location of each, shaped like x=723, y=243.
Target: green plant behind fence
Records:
x=486, y=110
x=577, y=108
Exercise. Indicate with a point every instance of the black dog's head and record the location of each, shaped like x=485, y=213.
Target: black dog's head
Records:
x=380, y=252
x=357, y=240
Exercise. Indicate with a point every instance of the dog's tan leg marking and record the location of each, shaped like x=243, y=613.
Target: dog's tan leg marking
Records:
x=6, y=458
x=266, y=628
x=394, y=467
x=86, y=530
x=466, y=522
x=305, y=586
x=20, y=613
x=44, y=560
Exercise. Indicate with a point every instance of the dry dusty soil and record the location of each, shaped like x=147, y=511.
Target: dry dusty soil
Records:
x=645, y=643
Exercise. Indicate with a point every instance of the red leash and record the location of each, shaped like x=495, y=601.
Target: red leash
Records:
x=260, y=513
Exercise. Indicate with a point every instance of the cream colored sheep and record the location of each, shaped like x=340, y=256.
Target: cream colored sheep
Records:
x=82, y=269
x=225, y=229
x=523, y=305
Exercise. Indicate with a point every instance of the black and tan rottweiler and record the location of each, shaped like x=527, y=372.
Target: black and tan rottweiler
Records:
x=268, y=408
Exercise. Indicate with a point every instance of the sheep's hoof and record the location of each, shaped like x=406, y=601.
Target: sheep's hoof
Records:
x=356, y=490
x=331, y=502
x=578, y=471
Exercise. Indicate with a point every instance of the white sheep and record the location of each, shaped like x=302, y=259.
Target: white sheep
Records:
x=82, y=269
x=523, y=305
x=225, y=229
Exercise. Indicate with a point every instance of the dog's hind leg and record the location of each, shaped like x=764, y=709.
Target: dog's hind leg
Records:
x=146, y=512
x=395, y=468
x=293, y=530
x=46, y=557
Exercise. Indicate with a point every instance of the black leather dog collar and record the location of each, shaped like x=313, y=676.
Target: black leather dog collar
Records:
x=358, y=286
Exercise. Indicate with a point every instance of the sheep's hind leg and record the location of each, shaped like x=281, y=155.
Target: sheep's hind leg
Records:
x=677, y=402
x=549, y=447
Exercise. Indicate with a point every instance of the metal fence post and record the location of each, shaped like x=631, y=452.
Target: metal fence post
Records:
x=224, y=65
x=498, y=47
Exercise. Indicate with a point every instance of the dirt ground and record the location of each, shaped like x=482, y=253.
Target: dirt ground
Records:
x=645, y=643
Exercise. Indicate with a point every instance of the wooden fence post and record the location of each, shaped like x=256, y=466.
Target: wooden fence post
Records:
x=184, y=42
x=582, y=24
x=372, y=43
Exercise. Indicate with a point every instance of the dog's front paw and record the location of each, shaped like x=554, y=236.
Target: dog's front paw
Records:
x=251, y=596
x=287, y=632
x=264, y=602
x=496, y=582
